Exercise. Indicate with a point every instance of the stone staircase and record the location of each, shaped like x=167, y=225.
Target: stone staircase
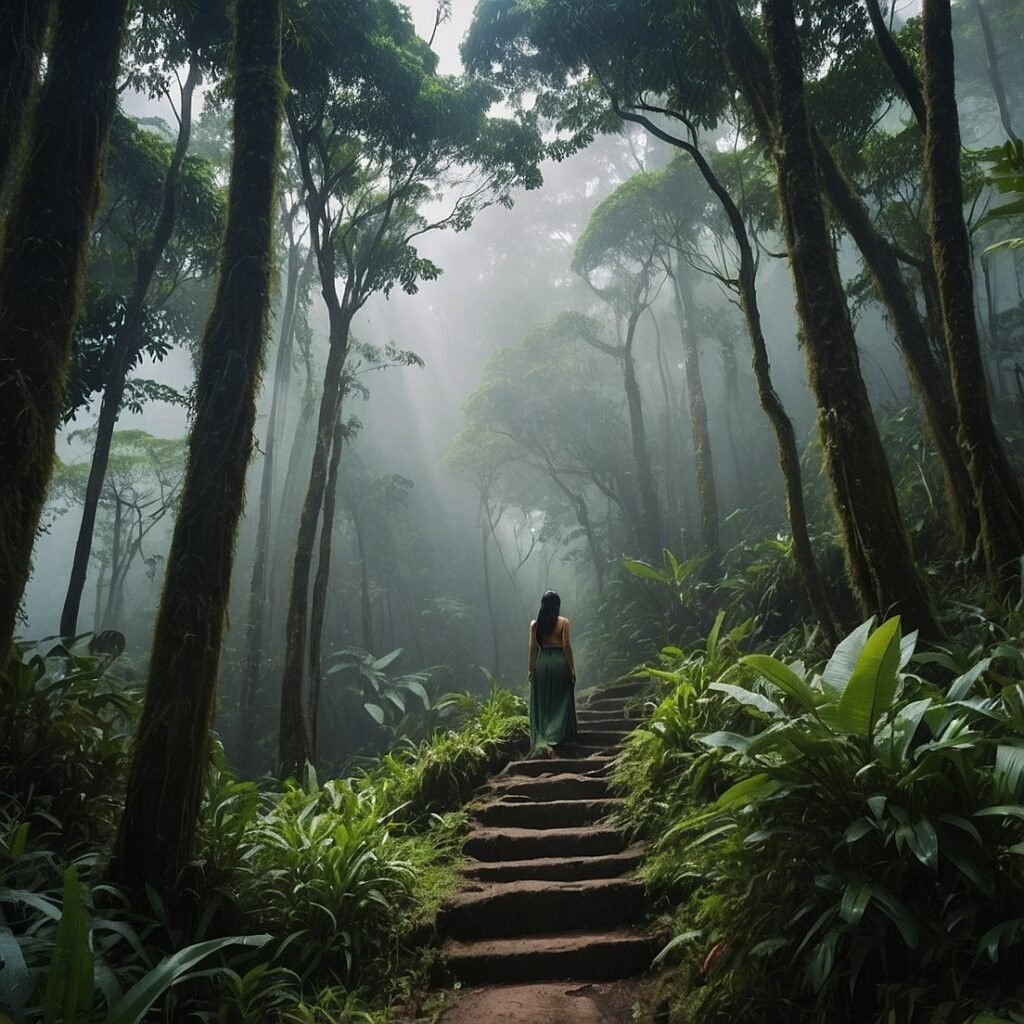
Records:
x=548, y=894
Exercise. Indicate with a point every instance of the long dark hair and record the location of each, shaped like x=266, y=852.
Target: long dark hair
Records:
x=547, y=617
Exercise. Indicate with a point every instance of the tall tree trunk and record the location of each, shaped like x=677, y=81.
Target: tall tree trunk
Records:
x=997, y=492
x=365, y=606
x=926, y=375
x=486, y=533
x=898, y=64
x=879, y=559
x=127, y=345
x=323, y=576
x=117, y=568
x=170, y=763
x=650, y=516
x=785, y=436
x=22, y=34
x=707, y=498
x=293, y=739
x=992, y=69
x=257, y=611
x=45, y=245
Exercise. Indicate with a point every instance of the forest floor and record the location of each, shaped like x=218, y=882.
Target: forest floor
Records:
x=549, y=927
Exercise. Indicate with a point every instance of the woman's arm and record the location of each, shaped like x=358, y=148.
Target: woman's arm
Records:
x=532, y=657
x=567, y=647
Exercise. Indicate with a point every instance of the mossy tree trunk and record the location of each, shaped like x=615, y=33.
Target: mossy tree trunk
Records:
x=926, y=374
x=45, y=247
x=23, y=26
x=879, y=558
x=127, y=346
x=997, y=492
x=171, y=756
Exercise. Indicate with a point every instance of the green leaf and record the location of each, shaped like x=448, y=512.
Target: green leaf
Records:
x=961, y=686
x=898, y=913
x=1008, y=773
x=416, y=687
x=872, y=686
x=892, y=749
x=729, y=740
x=1001, y=811
x=1002, y=935
x=69, y=978
x=924, y=843
x=14, y=973
x=376, y=712
x=856, y=897
x=844, y=659
x=392, y=656
x=645, y=571
x=675, y=941
x=137, y=1001
x=749, y=791
x=748, y=697
x=782, y=677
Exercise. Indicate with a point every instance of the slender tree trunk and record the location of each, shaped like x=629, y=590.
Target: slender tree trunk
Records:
x=707, y=498
x=116, y=566
x=785, y=437
x=365, y=605
x=169, y=766
x=485, y=531
x=998, y=495
x=992, y=69
x=127, y=346
x=258, y=591
x=323, y=576
x=650, y=515
x=45, y=243
x=879, y=559
x=294, y=744
x=22, y=34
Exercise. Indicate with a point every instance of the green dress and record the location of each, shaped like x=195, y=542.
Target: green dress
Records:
x=552, y=700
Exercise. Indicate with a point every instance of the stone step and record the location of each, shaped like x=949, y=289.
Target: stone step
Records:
x=558, y=766
x=563, y=786
x=522, y=812
x=494, y=844
x=531, y=907
x=583, y=956
x=612, y=720
x=592, y=737
x=556, y=868
x=628, y=688
x=612, y=705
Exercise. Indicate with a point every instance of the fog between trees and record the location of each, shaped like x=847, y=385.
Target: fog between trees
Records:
x=532, y=416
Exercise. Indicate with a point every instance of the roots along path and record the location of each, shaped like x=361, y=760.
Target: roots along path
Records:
x=547, y=928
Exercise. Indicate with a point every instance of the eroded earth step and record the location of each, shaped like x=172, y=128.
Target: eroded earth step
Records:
x=592, y=737
x=558, y=766
x=561, y=786
x=627, y=688
x=609, y=865
x=522, y=812
x=493, y=844
x=590, y=956
x=611, y=720
x=533, y=907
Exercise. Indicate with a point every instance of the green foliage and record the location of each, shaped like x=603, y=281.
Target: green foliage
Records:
x=858, y=828
x=1007, y=176
x=64, y=736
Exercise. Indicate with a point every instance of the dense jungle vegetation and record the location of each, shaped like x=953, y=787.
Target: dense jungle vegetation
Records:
x=333, y=332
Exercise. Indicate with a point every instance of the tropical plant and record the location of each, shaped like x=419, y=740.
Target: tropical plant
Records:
x=879, y=820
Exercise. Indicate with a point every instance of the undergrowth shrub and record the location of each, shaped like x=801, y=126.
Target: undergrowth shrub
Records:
x=332, y=886
x=844, y=844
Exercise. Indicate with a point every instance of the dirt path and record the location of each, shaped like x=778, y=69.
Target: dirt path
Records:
x=547, y=928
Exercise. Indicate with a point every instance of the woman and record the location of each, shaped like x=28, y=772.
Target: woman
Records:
x=552, y=677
